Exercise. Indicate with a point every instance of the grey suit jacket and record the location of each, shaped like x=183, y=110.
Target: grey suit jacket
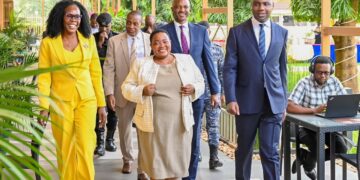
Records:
x=117, y=65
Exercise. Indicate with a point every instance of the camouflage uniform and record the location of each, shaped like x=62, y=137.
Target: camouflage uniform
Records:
x=213, y=114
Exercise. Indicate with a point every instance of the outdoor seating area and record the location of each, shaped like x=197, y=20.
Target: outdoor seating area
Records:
x=179, y=89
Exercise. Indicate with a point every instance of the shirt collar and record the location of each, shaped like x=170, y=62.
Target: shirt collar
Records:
x=186, y=25
x=138, y=36
x=256, y=22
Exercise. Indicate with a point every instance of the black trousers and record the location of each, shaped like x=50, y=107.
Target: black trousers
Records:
x=111, y=122
x=308, y=158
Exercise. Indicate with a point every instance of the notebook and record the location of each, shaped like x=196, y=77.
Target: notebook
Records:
x=341, y=106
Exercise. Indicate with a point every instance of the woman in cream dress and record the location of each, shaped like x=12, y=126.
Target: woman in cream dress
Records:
x=164, y=86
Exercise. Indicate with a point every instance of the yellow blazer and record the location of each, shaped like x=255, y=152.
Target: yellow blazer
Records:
x=86, y=77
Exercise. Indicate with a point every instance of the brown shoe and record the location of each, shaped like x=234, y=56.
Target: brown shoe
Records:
x=142, y=176
x=126, y=168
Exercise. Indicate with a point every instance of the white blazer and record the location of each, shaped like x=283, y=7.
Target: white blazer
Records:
x=143, y=72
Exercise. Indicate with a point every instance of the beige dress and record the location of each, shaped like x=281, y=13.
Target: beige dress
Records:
x=165, y=153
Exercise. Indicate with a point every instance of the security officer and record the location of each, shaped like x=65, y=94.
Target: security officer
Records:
x=101, y=38
x=213, y=113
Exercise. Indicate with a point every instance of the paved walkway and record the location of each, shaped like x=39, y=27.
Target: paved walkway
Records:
x=108, y=167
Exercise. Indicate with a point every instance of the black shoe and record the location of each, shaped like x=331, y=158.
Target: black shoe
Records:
x=110, y=145
x=100, y=150
x=214, y=163
x=293, y=166
x=311, y=174
x=100, y=144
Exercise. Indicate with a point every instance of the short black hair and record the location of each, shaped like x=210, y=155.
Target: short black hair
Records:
x=135, y=12
x=157, y=31
x=94, y=16
x=55, y=21
x=323, y=60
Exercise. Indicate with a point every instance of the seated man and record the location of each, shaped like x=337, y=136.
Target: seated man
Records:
x=310, y=97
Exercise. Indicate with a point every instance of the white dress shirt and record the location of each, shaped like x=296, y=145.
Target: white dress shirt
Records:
x=267, y=30
x=186, y=32
x=140, y=47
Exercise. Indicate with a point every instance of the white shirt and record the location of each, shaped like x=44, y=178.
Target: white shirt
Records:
x=140, y=47
x=186, y=32
x=94, y=30
x=267, y=30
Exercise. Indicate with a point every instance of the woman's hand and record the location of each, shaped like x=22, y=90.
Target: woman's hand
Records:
x=42, y=120
x=102, y=116
x=149, y=90
x=187, y=90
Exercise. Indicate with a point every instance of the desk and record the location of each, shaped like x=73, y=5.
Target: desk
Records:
x=320, y=126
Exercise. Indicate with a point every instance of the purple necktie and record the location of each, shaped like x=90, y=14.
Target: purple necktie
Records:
x=184, y=43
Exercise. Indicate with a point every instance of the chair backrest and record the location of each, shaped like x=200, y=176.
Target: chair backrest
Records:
x=348, y=90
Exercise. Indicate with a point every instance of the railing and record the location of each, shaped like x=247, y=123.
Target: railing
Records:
x=227, y=128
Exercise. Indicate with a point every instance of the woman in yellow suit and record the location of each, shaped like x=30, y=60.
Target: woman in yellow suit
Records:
x=77, y=91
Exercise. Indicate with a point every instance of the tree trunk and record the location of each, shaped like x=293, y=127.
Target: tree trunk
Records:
x=346, y=59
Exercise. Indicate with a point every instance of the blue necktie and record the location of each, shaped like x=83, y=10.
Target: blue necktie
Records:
x=262, y=41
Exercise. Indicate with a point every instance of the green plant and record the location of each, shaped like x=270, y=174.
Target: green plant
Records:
x=119, y=19
x=344, y=13
x=296, y=71
x=18, y=111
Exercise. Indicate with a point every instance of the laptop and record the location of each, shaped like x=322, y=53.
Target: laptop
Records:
x=341, y=106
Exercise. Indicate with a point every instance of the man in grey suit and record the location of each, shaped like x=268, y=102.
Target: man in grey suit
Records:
x=255, y=88
x=122, y=50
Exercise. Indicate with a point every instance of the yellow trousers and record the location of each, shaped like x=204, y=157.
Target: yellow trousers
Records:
x=74, y=133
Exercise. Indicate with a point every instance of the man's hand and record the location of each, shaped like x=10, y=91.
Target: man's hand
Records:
x=149, y=90
x=320, y=108
x=187, y=90
x=110, y=101
x=42, y=120
x=102, y=37
x=222, y=98
x=102, y=116
x=215, y=100
x=233, y=108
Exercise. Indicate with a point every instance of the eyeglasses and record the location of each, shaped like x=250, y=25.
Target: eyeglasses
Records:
x=73, y=16
x=326, y=73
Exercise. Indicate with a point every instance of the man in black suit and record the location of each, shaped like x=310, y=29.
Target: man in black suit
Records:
x=193, y=39
x=101, y=38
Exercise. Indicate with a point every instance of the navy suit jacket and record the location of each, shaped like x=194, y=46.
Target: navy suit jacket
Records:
x=245, y=72
x=200, y=51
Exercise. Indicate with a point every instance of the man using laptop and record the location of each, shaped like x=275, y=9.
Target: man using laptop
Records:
x=309, y=97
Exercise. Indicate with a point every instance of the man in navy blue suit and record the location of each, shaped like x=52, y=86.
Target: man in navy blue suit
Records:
x=193, y=39
x=255, y=88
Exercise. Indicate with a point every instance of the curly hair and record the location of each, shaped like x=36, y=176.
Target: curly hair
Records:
x=55, y=21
